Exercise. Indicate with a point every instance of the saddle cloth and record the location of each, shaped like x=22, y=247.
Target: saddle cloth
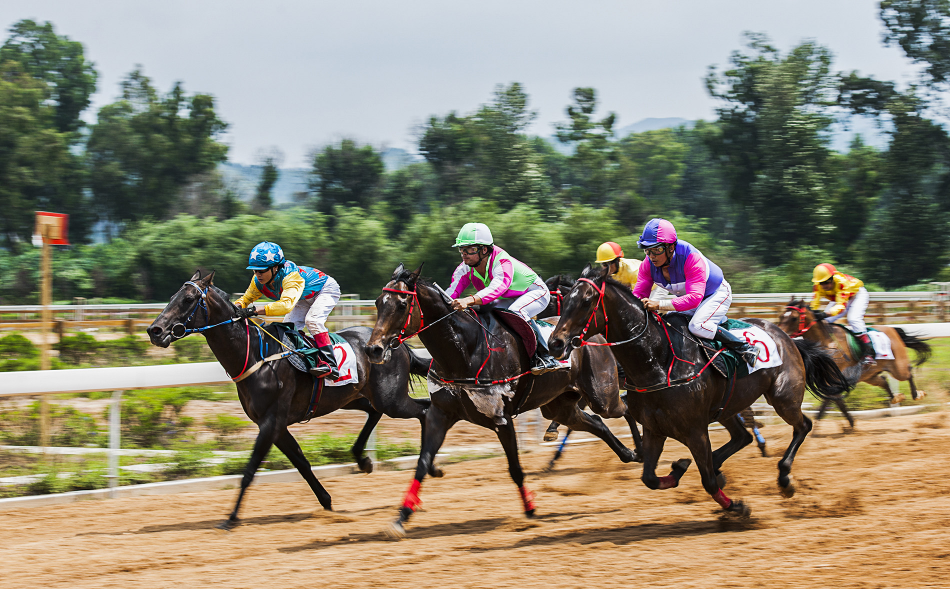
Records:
x=342, y=351
x=728, y=363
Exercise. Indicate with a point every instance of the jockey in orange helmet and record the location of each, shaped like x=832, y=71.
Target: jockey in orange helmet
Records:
x=848, y=299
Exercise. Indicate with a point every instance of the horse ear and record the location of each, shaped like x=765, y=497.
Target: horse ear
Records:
x=586, y=270
x=399, y=270
x=418, y=270
x=209, y=278
x=196, y=275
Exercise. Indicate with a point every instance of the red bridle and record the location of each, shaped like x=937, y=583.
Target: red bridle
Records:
x=559, y=297
x=593, y=315
x=802, y=319
x=402, y=332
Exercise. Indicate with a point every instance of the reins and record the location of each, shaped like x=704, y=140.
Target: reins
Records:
x=647, y=314
x=802, y=313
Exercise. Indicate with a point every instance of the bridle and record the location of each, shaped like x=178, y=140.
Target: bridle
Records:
x=397, y=341
x=179, y=330
x=558, y=297
x=578, y=340
x=802, y=320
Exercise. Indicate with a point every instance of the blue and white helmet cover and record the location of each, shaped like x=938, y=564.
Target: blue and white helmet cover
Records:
x=264, y=255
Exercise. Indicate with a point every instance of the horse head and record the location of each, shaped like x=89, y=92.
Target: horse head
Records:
x=577, y=310
x=397, y=314
x=796, y=319
x=192, y=306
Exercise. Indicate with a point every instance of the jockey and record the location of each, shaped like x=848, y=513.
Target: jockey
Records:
x=698, y=285
x=305, y=296
x=500, y=277
x=621, y=269
x=848, y=298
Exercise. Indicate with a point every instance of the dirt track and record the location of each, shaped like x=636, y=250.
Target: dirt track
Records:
x=872, y=511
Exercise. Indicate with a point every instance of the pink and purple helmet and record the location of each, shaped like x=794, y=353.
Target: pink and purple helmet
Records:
x=655, y=232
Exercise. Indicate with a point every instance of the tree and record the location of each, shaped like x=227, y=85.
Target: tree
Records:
x=347, y=175
x=773, y=141
x=37, y=169
x=60, y=64
x=145, y=148
x=859, y=180
x=592, y=166
x=922, y=29
x=270, y=172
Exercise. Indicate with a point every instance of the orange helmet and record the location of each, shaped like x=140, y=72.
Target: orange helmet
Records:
x=823, y=272
x=608, y=252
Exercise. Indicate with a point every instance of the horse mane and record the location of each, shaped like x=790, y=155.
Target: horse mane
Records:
x=224, y=296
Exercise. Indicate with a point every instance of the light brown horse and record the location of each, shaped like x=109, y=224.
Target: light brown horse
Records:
x=799, y=320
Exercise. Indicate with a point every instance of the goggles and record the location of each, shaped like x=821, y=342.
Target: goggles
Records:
x=469, y=250
x=655, y=250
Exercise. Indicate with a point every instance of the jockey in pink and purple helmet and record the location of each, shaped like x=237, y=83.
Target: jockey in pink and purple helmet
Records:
x=697, y=285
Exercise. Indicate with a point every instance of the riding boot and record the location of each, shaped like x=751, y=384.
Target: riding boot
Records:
x=867, y=349
x=327, y=367
x=746, y=351
x=542, y=361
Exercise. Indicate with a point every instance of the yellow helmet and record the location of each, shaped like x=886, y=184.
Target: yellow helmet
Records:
x=823, y=272
x=608, y=252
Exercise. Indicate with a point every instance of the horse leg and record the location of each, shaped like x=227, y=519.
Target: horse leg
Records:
x=740, y=438
x=825, y=403
x=565, y=411
x=635, y=434
x=509, y=441
x=364, y=462
x=801, y=425
x=839, y=401
x=698, y=444
x=652, y=448
x=437, y=425
x=550, y=434
x=287, y=444
x=914, y=393
x=265, y=439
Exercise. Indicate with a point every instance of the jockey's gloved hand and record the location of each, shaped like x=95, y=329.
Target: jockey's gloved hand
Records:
x=820, y=315
x=249, y=311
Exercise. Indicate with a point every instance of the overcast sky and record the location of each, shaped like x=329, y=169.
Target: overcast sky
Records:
x=302, y=73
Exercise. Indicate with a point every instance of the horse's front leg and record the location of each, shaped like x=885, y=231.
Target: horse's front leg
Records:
x=438, y=424
x=739, y=439
x=372, y=419
x=564, y=410
x=509, y=441
x=652, y=448
x=291, y=449
x=266, y=437
x=699, y=447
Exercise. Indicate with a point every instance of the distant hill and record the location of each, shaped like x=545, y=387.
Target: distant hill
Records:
x=653, y=125
x=244, y=179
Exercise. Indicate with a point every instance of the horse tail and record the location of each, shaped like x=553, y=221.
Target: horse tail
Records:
x=822, y=376
x=921, y=347
x=417, y=365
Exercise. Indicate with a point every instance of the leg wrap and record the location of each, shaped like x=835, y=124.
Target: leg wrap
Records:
x=722, y=500
x=527, y=497
x=412, y=500
x=668, y=482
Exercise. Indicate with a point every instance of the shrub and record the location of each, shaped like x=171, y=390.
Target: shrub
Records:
x=18, y=353
x=193, y=349
x=81, y=348
x=68, y=427
x=225, y=426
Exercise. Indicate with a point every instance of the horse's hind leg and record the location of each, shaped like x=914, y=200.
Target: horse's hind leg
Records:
x=801, y=425
x=550, y=434
x=291, y=449
x=914, y=393
x=566, y=411
x=509, y=441
x=839, y=401
x=437, y=425
x=364, y=462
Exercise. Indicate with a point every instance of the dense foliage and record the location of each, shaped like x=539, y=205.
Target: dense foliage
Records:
x=760, y=189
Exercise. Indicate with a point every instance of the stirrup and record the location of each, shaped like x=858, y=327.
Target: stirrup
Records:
x=868, y=361
x=325, y=371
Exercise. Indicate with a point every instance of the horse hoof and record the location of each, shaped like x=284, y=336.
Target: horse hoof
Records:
x=529, y=514
x=550, y=436
x=739, y=509
x=637, y=457
x=765, y=453
x=721, y=480
x=681, y=465
x=436, y=472
x=788, y=490
x=920, y=395
x=396, y=531
x=366, y=465
x=898, y=398
x=227, y=525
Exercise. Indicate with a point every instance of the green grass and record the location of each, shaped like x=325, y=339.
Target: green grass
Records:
x=931, y=377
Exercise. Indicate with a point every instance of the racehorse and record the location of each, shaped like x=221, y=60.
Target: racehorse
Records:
x=559, y=286
x=273, y=393
x=678, y=397
x=798, y=320
x=480, y=372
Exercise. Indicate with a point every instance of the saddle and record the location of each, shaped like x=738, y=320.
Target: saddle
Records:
x=306, y=356
x=728, y=364
x=490, y=314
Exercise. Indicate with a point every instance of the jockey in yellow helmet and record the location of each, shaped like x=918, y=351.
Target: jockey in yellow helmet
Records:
x=848, y=299
x=621, y=269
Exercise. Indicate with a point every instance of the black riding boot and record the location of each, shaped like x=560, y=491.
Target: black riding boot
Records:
x=867, y=349
x=542, y=361
x=327, y=367
x=747, y=351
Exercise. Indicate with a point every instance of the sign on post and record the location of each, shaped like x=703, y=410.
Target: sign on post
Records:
x=50, y=229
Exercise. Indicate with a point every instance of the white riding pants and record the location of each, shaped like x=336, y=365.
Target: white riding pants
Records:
x=711, y=312
x=854, y=311
x=313, y=313
x=532, y=302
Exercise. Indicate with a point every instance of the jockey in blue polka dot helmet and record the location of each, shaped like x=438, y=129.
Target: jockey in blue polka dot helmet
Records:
x=304, y=296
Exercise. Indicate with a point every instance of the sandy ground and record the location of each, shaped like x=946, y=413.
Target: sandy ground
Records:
x=872, y=511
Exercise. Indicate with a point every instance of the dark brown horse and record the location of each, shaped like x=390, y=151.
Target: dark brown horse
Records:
x=798, y=320
x=276, y=394
x=480, y=373
x=675, y=396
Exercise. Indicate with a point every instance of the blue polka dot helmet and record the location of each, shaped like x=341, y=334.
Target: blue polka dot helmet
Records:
x=264, y=255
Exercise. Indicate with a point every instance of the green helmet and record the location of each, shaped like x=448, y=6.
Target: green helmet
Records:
x=474, y=234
